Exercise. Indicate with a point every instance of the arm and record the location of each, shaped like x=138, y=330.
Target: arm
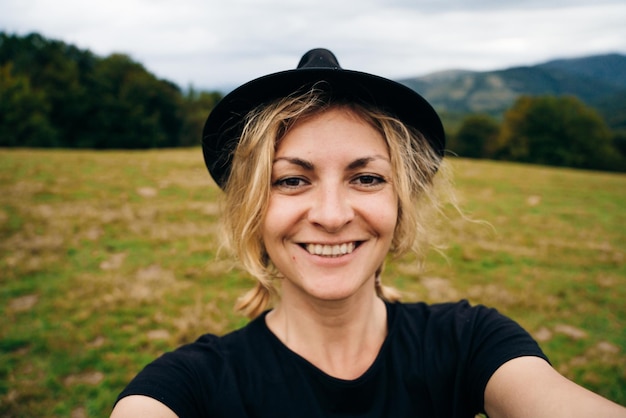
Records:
x=138, y=406
x=530, y=387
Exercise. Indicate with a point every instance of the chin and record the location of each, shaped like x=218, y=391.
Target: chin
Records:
x=335, y=294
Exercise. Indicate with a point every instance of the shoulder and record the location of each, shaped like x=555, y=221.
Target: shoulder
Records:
x=190, y=379
x=465, y=326
x=464, y=341
x=445, y=308
x=219, y=349
x=451, y=314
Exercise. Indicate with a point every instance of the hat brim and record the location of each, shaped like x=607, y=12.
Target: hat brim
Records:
x=223, y=127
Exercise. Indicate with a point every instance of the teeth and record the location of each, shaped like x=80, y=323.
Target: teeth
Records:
x=330, y=250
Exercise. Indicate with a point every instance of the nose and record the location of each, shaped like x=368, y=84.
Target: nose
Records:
x=331, y=208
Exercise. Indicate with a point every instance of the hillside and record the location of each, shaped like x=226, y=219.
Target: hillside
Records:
x=599, y=81
x=110, y=258
x=610, y=68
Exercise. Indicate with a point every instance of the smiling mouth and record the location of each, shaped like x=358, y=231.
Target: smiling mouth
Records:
x=330, y=250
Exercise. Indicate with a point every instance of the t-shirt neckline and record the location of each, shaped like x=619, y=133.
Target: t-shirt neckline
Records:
x=371, y=370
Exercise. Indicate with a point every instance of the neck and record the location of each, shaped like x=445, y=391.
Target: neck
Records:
x=342, y=338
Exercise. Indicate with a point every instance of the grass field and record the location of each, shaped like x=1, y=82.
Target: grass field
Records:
x=109, y=258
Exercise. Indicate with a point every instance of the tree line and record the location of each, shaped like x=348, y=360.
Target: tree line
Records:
x=546, y=130
x=56, y=95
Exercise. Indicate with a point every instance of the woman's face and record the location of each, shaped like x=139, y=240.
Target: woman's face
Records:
x=332, y=209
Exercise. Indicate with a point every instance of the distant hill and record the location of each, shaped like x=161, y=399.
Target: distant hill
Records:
x=599, y=81
x=608, y=68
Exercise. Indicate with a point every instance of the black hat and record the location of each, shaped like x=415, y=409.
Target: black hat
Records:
x=224, y=125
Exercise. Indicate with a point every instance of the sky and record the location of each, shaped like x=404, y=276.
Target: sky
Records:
x=220, y=44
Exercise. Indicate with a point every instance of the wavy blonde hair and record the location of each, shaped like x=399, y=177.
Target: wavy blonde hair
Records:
x=249, y=185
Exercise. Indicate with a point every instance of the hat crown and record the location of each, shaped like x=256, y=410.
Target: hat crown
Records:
x=319, y=58
x=224, y=126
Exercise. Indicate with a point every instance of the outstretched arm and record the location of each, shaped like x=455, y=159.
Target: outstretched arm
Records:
x=530, y=387
x=138, y=406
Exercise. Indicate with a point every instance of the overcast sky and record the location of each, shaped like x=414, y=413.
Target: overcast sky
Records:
x=215, y=43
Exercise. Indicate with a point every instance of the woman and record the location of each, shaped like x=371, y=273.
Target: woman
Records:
x=326, y=171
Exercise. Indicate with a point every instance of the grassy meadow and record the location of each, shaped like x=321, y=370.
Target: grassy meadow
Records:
x=107, y=259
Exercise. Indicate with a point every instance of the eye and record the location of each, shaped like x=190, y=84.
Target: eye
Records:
x=368, y=180
x=290, y=182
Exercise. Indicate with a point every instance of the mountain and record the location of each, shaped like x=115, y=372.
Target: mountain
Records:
x=610, y=68
x=599, y=81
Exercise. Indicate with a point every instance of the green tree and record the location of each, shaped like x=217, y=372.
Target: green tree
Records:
x=477, y=137
x=131, y=107
x=23, y=113
x=559, y=131
x=54, y=94
x=619, y=142
x=196, y=107
x=53, y=68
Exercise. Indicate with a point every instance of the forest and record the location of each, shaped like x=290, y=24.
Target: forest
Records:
x=56, y=95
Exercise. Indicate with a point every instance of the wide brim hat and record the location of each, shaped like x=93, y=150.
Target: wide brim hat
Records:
x=224, y=125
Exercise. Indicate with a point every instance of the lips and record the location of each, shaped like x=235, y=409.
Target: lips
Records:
x=326, y=250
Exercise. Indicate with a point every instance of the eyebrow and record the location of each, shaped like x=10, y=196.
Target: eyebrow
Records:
x=307, y=165
x=363, y=162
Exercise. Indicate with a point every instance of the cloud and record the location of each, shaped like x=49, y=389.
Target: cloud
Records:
x=215, y=42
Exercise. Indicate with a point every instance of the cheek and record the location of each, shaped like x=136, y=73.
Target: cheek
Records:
x=391, y=221
x=274, y=216
x=383, y=214
x=278, y=217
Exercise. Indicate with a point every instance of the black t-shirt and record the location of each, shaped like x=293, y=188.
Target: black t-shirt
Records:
x=435, y=362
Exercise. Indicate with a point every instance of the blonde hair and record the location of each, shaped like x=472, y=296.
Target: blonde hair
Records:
x=414, y=164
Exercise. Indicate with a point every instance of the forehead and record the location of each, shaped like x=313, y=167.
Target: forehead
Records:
x=331, y=131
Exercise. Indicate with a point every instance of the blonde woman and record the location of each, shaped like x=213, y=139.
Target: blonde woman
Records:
x=326, y=172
